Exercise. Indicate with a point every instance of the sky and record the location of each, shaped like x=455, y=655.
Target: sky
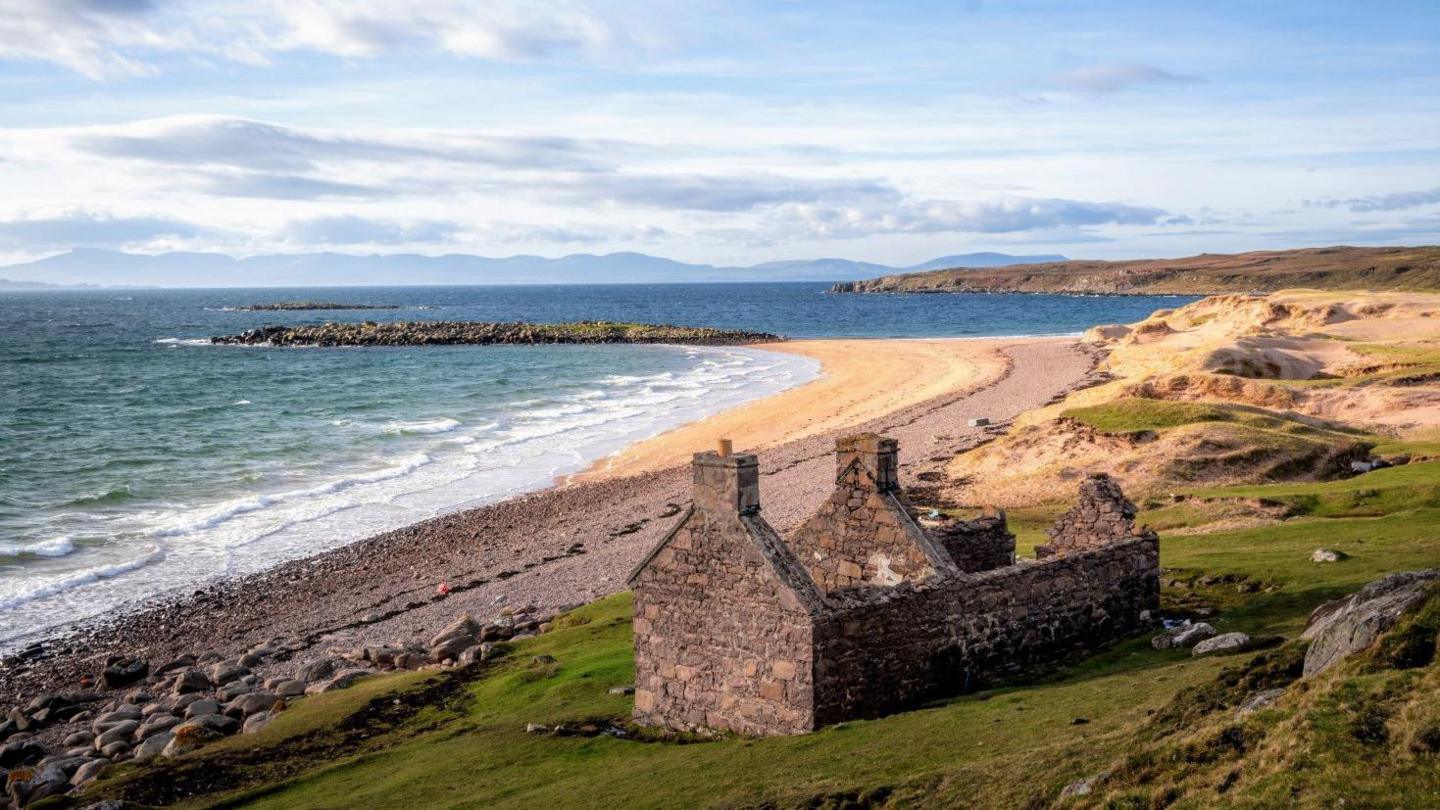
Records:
x=728, y=133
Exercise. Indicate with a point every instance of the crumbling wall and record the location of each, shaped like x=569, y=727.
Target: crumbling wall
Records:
x=976, y=545
x=889, y=648
x=736, y=630
x=1102, y=514
x=863, y=533
x=723, y=639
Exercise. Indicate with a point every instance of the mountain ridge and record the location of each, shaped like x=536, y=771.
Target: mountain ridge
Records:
x=97, y=266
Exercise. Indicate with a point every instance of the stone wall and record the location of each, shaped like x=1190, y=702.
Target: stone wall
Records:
x=976, y=545
x=736, y=630
x=1102, y=514
x=890, y=648
x=723, y=625
x=863, y=533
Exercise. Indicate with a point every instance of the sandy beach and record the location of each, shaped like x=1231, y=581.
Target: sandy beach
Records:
x=578, y=540
x=860, y=380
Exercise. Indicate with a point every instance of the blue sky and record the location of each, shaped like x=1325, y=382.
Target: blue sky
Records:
x=722, y=132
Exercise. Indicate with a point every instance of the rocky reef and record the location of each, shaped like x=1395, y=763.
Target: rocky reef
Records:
x=454, y=333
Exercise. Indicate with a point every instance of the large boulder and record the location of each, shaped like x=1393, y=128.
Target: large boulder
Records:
x=340, y=681
x=227, y=671
x=463, y=625
x=214, y=722
x=253, y=703
x=1348, y=625
x=189, y=680
x=1223, y=643
x=320, y=670
x=153, y=746
x=187, y=738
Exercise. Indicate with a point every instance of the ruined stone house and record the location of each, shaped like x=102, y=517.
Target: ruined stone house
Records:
x=865, y=611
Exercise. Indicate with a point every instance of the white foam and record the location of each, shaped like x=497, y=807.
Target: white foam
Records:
x=242, y=506
x=79, y=578
x=556, y=433
x=442, y=425
x=175, y=341
x=56, y=547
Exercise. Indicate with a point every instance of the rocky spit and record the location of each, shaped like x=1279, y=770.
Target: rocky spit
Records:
x=305, y=306
x=387, y=602
x=456, y=333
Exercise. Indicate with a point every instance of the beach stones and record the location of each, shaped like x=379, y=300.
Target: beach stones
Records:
x=189, y=680
x=255, y=722
x=202, y=707
x=188, y=738
x=319, y=670
x=253, y=703
x=120, y=671
x=339, y=681
x=152, y=747
x=227, y=671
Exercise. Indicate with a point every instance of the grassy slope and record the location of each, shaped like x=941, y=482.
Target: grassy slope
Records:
x=1009, y=746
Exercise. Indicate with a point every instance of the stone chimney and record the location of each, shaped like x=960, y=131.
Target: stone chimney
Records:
x=877, y=455
x=728, y=484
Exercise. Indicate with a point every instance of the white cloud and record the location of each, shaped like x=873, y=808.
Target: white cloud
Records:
x=88, y=36
x=1113, y=78
x=1004, y=215
x=708, y=192
x=248, y=144
x=100, y=38
x=1380, y=202
x=518, y=232
x=350, y=229
x=92, y=228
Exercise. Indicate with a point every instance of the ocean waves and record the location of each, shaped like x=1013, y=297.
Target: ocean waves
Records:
x=328, y=463
x=12, y=596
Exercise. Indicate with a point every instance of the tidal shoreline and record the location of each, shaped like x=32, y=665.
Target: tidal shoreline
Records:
x=574, y=542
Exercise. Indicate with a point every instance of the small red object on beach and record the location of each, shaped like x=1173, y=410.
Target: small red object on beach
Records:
x=443, y=588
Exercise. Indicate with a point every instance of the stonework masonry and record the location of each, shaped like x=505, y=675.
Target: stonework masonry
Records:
x=1102, y=514
x=864, y=612
x=863, y=533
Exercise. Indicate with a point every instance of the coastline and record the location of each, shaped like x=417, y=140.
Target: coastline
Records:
x=571, y=543
x=860, y=380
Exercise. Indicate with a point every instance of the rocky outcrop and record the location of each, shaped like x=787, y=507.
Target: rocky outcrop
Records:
x=1345, y=626
x=476, y=333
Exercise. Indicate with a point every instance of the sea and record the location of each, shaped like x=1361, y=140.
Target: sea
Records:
x=137, y=460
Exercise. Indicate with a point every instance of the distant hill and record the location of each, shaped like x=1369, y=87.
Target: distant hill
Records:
x=8, y=284
x=114, y=268
x=1333, y=268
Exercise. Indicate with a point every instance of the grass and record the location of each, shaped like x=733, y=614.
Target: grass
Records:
x=480, y=754
x=1160, y=720
x=1129, y=415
